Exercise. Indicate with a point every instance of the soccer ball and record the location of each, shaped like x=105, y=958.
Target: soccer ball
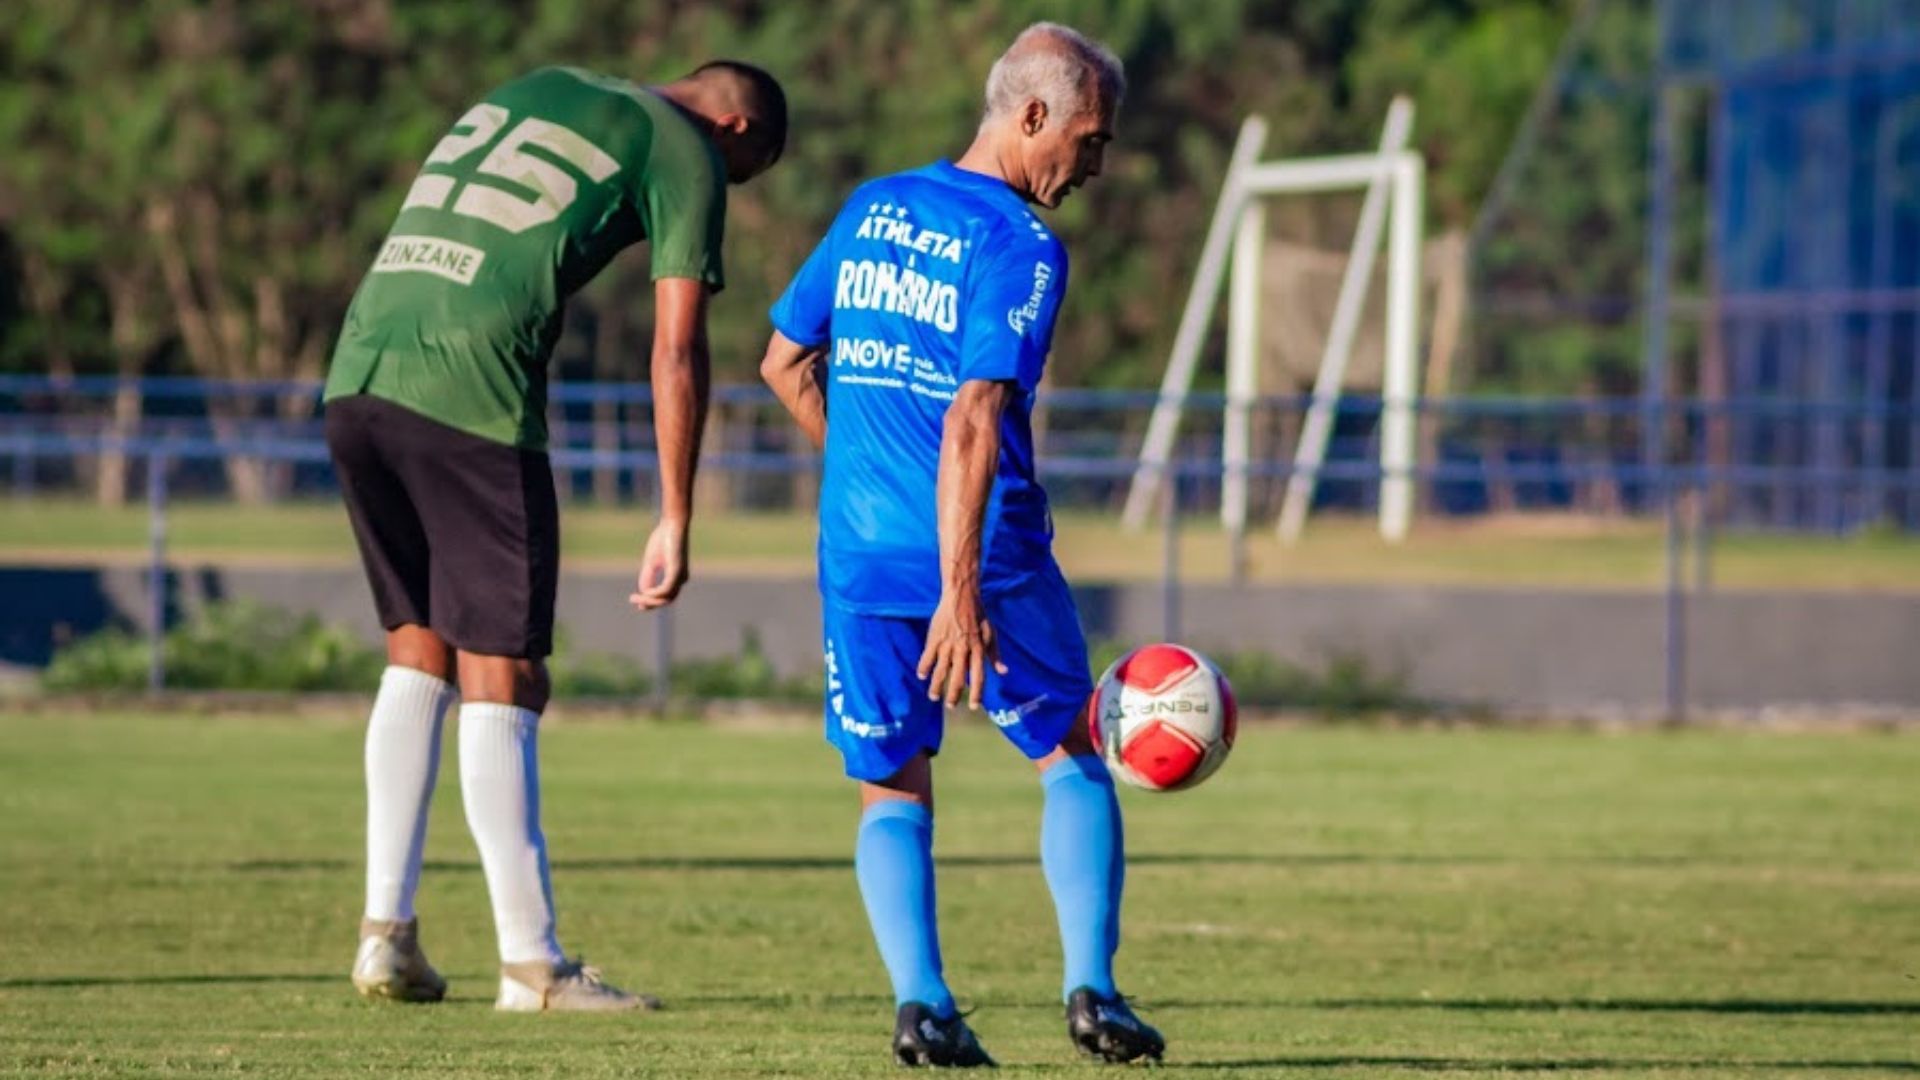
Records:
x=1163, y=717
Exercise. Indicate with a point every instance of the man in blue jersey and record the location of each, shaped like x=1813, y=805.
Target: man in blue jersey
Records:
x=925, y=315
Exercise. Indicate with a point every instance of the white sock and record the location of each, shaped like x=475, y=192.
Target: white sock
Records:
x=403, y=758
x=500, y=782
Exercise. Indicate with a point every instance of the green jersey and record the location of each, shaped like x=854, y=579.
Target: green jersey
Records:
x=520, y=205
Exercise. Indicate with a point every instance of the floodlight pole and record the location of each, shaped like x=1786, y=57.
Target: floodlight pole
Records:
x=1194, y=320
x=1318, y=429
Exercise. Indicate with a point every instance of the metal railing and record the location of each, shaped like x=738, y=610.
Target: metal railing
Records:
x=1754, y=458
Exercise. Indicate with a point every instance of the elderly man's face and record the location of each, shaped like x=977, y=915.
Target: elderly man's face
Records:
x=1063, y=154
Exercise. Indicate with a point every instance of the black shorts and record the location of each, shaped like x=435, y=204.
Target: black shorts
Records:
x=458, y=533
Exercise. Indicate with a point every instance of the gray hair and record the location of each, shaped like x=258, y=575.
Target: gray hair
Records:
x=1068, y=71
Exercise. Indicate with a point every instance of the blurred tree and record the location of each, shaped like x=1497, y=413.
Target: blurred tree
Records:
x=225, y=169
x=1560, y=276
x=71, y=197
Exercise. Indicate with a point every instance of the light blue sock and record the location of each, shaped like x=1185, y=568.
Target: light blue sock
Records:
x=1084, y=854
x=893, y=859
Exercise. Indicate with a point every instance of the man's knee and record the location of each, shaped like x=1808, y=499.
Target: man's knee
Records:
x=1077, y=742
x=913, y=783
x=504, y=680
x=1078, y=739
x=416, y=647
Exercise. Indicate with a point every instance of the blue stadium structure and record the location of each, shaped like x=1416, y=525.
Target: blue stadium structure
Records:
x=1810, y=322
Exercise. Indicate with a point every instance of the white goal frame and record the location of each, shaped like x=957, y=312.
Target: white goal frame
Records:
x=1393, y=177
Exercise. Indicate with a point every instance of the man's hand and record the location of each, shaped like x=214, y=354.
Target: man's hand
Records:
x=960, y=645
x=663, y=568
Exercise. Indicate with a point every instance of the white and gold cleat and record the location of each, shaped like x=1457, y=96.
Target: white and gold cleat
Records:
x=567, y=986
x=391, y=965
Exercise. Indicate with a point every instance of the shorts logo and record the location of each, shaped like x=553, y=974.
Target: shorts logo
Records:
x=837, y=702
x=1006, y=718
x=1022, y=317
x=861, y=730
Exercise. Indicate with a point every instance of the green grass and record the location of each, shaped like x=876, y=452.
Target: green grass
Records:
x=178, y=898
x=1515, y=551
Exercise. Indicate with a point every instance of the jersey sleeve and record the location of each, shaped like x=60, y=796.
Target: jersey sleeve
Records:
x=1010, y=309
x=684, y=200
x=804, y=312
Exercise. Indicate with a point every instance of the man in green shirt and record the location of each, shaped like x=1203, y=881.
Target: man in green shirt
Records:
x=436, y=420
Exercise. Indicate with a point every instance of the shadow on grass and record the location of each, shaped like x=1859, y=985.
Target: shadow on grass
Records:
x=1449, y=1064
x=1738, y=1006
x=1725, y=1006
x=59, y=981
x=70, y=982
x=790, y=863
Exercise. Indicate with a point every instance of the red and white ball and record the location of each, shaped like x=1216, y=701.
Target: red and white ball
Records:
x=1163, y=717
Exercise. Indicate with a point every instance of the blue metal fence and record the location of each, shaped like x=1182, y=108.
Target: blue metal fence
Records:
x=1481, y=455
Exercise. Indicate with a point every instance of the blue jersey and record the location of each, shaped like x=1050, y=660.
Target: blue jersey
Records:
x=927, y=279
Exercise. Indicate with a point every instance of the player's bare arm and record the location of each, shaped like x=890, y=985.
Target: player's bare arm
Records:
x=793, y=371
x=681, y=373
x=959, y=640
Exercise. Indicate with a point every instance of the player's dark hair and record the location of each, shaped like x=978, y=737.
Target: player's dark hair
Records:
x=763, y=98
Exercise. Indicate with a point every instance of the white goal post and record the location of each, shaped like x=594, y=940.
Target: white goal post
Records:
x=1393, y=178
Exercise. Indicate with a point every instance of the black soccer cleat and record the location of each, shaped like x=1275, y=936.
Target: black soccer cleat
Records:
x=1105, y=1028
x=922, y=1038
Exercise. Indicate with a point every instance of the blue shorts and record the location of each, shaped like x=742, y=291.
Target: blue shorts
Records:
x=877, y=711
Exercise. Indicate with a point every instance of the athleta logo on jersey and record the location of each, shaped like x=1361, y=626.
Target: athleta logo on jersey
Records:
x=867, y=285
x=1023, y=316
x=887, y=224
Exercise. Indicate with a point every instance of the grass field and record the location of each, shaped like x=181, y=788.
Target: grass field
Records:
x=179, y=895
x=1508, y=552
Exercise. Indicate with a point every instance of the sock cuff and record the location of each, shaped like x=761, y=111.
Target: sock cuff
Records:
x=905, y=810
x=416, y=681
x=494, y=712
x=1089, y=766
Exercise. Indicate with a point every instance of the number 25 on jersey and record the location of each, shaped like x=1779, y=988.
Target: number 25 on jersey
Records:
x=553, y=187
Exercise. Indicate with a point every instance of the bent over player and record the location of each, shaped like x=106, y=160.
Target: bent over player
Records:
x=925, y=315
x=436, y=420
